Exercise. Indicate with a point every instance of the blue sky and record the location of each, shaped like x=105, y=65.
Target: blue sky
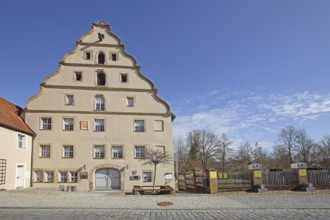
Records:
x=243, y=67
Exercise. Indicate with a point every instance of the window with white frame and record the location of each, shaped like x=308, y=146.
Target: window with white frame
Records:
x=74, y=177
x=138, y=125
x=69, y=99
x=44, y=151
x=68, y=124
x=99, y=152
x=68, y=151
x=46, y=123
x=139, y=151
x=21, y=141
x=49, y=176
x=39, y=176
x=130, y=101
x=117, y=152
x=99, y=125
x=147, y=176
x=99, y=103
x=63, y=176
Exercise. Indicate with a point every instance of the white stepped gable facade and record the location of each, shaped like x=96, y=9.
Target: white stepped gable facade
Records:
x=95, y=117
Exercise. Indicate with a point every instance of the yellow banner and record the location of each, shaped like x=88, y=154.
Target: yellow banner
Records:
x=213, y=174
x=220, y=175
x=257, y=173
x=225, y=176
x=302, y=172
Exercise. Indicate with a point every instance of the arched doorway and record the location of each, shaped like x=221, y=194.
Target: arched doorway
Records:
x=107, y=179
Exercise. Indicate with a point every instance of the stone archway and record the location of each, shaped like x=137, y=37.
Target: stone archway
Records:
x=107, y=177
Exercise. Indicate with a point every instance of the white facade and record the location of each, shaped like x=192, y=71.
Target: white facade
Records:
x=94, y=118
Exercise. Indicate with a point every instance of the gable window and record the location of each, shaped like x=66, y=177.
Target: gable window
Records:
x=88, y=55
x=117, y=152
x=46, y=123
x=139, y=151
x=21, y=142
x=44, y=151
x=68, y=124
x=101, y=79
x=63, y=177
x=99, y=125
x=101, y=58
x=114, y=57
x=78, y=76
x=130, y=101
x=138, y=125
x=68, y=151
x=158, y=125
x=99, y=103
x=69, y=99
x=99, y=152
x=123, y=78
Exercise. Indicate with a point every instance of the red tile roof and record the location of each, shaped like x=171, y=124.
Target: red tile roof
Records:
x=10, y=117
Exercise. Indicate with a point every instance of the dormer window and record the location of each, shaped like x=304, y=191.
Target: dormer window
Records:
x=101, y=58
x=101, y=79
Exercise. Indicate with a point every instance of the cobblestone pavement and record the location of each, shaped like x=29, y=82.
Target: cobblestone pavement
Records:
x=121, y=214
x=43, y=204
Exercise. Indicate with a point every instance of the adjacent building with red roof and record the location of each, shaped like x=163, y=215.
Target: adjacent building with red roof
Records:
x=15, y=147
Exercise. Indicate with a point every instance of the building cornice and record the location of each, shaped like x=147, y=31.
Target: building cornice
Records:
x=98, y=65
x=96, y=44
x=97, y=112
x=96, y=88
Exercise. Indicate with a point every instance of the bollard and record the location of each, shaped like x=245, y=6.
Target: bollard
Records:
x=212, y=175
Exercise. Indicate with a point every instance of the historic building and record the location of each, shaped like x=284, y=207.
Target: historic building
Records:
x=15, y=147
x=95, y=117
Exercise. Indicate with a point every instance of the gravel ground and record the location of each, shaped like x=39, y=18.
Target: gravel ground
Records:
x=47, y=198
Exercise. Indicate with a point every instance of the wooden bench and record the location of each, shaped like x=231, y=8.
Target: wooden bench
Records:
x=138, y=190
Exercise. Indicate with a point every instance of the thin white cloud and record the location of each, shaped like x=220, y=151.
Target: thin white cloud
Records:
x=246, y=116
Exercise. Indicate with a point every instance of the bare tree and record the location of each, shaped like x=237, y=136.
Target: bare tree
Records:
x=155, y=157
x=243, y=156
x=304, y=147
x=288, y=140
x=324, y=150
x=182, y=156
x=207, y=145
x=224, y=151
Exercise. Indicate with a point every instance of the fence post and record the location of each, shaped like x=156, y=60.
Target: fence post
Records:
x=185, y=181
x=195, y=181
x=301, y=170
x=257, y=180
x=212, y=176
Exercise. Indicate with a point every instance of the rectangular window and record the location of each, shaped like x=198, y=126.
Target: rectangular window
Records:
x=68, y=151
x=99, y=125
x=130, y=101
x=50, y=176
x=44, y=151
x=46, y=123
x=147, y=176
x=78, y=76
x=69, y=99
x=158, y=125
x=123, y=78
x=68, y=124
x=117, y=152
x=21, y=142
x=39, y=176
x=99, y=103
x=74, y=177
x=63, y=176
x=88, y=55
x=99, y=152
x=160, y=149
x=114, y=57
x=138, y=125
x=3, y=165
x=139, y=151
